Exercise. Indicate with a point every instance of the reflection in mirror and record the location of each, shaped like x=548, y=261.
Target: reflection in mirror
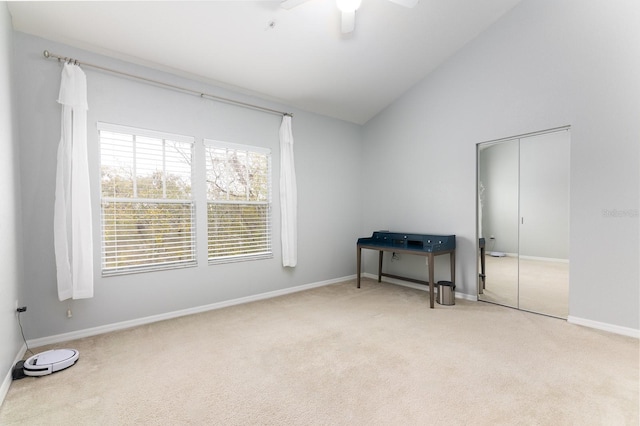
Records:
x=523, y=216
x=544, y=224
x=498, y=220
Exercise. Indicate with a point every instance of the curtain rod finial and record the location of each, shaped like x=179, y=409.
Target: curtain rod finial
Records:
x=46, y=53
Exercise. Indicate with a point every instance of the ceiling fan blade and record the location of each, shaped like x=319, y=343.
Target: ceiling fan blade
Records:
x=406, y=3
x=290, y=4
x=348, y=22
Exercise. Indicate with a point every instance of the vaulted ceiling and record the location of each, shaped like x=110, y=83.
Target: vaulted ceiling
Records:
x=297, y=56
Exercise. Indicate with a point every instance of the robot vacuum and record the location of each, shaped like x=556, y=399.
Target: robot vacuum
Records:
x=50, y=361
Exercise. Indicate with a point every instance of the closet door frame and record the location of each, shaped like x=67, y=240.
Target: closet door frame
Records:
x=519, y=140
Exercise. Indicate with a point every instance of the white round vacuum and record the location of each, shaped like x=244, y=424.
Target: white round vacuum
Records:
x=50, y=361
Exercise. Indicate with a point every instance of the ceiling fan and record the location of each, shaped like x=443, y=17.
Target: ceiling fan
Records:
x=348, y=9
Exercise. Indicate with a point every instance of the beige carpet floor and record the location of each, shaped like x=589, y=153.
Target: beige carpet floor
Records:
x=338, y=355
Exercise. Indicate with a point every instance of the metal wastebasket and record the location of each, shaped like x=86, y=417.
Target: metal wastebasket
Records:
x=446, y=293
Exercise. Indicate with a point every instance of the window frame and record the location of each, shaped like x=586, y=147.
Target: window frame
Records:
x=267, y=202
x=191, y=245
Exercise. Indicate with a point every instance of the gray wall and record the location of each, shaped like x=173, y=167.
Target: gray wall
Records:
x=10, y=224
x=544, y=195
x=327, y=153
x=546, y=64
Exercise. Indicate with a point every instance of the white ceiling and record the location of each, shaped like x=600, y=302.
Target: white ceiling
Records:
x=295, y=56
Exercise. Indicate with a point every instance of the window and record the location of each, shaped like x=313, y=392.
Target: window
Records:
x=147, y=206
x=238, y=202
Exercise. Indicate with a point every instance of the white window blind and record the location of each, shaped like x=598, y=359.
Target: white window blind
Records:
x=238, y=202
x=147, y=206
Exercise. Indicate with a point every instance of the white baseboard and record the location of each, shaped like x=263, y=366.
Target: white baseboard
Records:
x=422, y=287
x=65, y=337
x=625, y=331
x=617, y=329
x=544, y=259
x=4, y=388
x=34, y=343
x=465, y=296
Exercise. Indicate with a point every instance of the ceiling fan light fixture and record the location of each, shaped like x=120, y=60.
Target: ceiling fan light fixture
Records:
x=348, y=23
x=348, y=5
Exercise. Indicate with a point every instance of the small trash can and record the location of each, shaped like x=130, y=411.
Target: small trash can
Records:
x=446, y=293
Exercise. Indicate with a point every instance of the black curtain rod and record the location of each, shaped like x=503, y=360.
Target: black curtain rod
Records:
x=50, y=55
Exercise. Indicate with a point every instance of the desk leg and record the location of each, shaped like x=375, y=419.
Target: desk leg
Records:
x=380, y=267
x=431, y=279
x=359, y=257
x=482, y=266
x=452, y=261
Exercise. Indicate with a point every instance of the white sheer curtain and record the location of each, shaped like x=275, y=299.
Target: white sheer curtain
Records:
x=288, y=195
x=73, y=239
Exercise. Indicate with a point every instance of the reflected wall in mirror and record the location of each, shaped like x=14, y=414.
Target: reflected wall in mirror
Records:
x=498, y=209
x=523, y=216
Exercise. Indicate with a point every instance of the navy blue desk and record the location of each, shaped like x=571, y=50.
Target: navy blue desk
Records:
x=416, y=244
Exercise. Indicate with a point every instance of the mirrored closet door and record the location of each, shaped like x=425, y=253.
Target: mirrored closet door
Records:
x=523, y=219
